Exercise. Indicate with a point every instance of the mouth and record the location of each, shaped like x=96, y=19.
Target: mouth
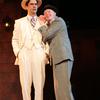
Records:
x=34, y=8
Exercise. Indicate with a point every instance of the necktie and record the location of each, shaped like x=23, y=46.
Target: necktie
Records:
x=33, y=22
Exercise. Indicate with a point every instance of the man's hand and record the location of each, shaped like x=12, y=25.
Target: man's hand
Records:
x=42, y=18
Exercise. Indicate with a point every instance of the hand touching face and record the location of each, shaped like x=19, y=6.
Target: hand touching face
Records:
x=49, y=15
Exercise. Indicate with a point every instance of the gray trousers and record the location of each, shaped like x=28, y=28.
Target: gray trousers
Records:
x=62, y=85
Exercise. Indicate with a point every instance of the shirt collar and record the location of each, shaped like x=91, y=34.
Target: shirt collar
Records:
x=30, y=17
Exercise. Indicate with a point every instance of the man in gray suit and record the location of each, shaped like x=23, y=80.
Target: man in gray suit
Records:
x=60, y=52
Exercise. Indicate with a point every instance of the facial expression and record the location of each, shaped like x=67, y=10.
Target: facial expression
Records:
x=32, y=7
x=49, y=14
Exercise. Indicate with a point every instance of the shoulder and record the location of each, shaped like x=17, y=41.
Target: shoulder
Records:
x=60, y=19
x=21, y=19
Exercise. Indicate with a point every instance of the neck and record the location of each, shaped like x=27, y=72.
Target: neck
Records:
x=33, y=14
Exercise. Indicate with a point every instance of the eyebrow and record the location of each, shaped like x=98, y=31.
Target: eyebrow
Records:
x=33, y=3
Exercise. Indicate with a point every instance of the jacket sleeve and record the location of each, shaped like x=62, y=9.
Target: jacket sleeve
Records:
x=53, y=30
x=42, y=29
x=15, y=38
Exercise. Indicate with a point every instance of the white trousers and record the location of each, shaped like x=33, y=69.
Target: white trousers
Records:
x=32, y=69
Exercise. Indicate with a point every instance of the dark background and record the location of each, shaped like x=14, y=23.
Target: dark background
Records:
x=79, y=14
x=83, y=21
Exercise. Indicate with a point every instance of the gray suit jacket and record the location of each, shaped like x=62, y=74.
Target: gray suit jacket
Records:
x=57, y=37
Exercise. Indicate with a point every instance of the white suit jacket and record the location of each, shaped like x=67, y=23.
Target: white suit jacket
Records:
x=22, y=30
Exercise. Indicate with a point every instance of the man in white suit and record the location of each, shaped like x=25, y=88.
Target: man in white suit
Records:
x=30, y=51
